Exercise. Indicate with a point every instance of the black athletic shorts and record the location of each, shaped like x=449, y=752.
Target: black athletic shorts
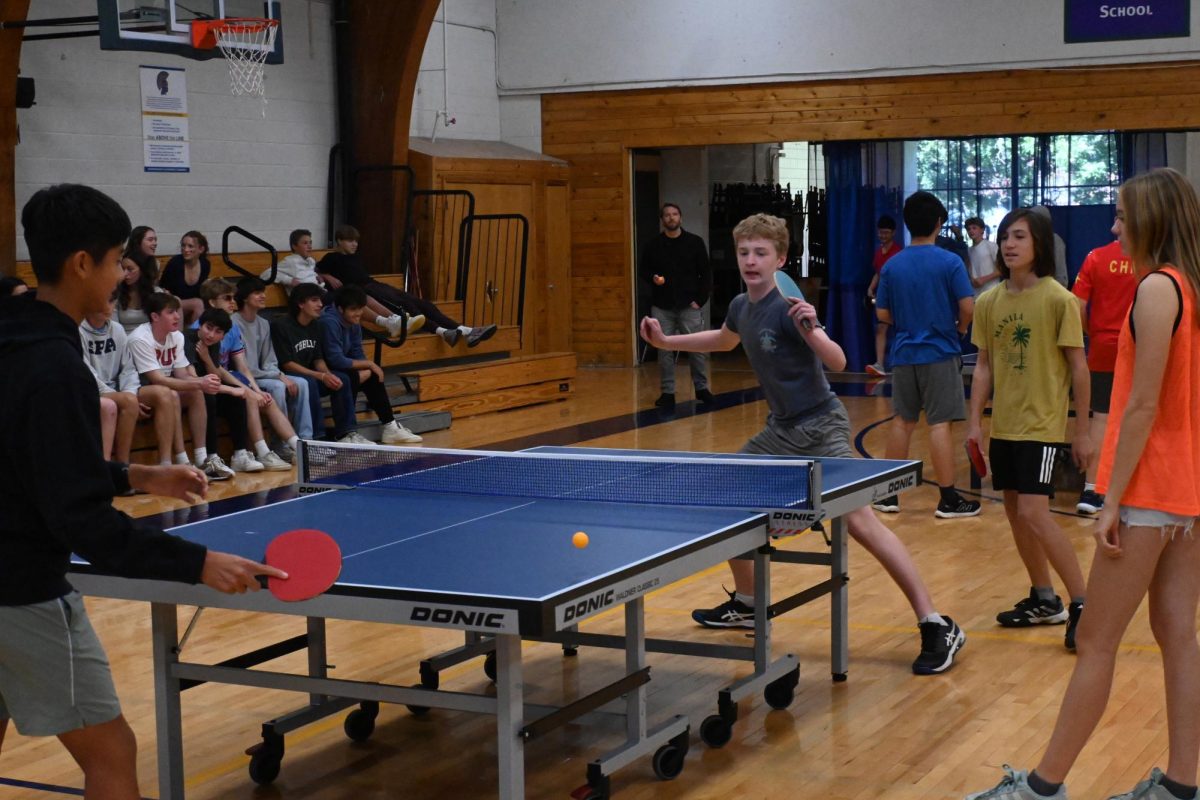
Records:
x=1101, y=391
x=1023, y=467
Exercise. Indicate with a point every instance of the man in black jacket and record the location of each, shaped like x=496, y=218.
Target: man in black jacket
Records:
x=675, y=270
x=56, y=494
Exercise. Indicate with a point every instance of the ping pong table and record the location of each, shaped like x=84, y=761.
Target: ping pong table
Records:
x=481, y=543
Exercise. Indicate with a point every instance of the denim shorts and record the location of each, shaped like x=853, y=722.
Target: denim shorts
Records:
x=1135, y=517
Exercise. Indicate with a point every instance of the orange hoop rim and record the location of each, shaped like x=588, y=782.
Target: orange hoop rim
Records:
x=204, y=31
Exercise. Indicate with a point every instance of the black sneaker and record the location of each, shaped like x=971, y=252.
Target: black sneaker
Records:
x=888, y=505
x=1033, y=611
x=705, y=396
x=1074, y=611
x=939, y=644
x=1090, y=502
x=666, y=400
x=960, y=507
x=731, y=614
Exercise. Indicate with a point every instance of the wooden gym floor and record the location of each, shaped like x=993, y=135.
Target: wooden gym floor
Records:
x=884, y=732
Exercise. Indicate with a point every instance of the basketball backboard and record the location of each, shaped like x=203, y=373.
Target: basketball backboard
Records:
x=164, y=26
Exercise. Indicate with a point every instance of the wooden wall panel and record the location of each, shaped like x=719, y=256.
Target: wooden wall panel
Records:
x=595, y=131
x=10, y=60
x=534, y=187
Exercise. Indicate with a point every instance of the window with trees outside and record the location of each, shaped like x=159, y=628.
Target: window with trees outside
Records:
x=989, y=176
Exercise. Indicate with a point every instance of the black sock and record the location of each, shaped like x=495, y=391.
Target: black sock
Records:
x=949, y=494
x=1182, y=791
x=1042, y=786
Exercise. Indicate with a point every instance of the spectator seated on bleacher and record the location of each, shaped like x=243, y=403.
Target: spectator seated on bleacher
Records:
x=341, y=340
x=342, y=267
x=185, y=273
x=300, y=268
x=251, y=299
x=140, y=281
x=297, y=340
x=106, y=353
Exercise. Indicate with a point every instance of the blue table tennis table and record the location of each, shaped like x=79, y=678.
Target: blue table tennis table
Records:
x=475, y=554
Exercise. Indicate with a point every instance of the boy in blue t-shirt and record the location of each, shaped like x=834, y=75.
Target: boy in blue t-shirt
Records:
x=925, y=294
x=806, y=419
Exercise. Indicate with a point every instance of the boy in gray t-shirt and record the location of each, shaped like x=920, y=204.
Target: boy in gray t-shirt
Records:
x=788, y=350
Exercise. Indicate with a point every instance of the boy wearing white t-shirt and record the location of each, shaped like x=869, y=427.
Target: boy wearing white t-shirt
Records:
x=156, y=348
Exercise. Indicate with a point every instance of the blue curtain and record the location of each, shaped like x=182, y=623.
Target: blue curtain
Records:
x=852, y=209
x=1141, y=152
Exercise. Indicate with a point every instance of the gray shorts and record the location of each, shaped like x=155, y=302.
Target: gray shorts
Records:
x=54, y=676
x=937, y=388
x=823, y=436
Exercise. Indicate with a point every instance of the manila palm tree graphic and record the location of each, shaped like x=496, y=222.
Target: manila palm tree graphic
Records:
x=1020, y=338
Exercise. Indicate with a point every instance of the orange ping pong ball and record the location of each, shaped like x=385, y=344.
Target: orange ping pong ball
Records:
x=580, y=539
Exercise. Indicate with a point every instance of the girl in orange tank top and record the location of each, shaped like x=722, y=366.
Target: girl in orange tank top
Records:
x=1150, y=474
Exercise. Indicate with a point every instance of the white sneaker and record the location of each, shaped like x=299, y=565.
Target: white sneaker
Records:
x=215, y=469
x=354, y=437
x=244, y=462
x=394, y=325
x=274, y=463
x=415, y=323
x=395, y=433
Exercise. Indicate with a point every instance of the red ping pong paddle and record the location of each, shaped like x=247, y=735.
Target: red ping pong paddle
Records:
x=976, y=457
x=788, y=288
x=312, y=560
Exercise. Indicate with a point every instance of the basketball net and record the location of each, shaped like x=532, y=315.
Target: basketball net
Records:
x=245, y=43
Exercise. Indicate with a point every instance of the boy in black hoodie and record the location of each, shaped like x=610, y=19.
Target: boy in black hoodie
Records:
x=54, y=677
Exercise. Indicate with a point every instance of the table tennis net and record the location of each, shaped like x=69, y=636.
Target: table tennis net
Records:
x=709, y=482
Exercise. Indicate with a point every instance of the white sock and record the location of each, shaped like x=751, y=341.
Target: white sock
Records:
x=934, y=617
x=1089, y=487
x=382, y=321
x=201, y=455
x=260, y=448
x=181, y=458
x=166, y=463
x=440, y=330
x=466, y=331
x=746, y=599
x=291, y=442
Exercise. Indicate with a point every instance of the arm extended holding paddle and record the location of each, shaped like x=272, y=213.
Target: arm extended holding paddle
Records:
x=804, y=315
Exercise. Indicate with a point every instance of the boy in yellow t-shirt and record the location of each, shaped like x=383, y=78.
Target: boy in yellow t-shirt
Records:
x=1030, y=343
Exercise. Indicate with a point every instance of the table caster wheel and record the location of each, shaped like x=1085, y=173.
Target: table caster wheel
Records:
x=489, y=666
x=359, y=724
x=780, y=693
x=264, y=767
x=716, y=731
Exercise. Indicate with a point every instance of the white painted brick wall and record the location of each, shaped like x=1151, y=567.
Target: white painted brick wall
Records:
x=266, y=175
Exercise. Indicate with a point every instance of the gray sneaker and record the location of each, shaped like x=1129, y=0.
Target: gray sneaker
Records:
x=1015, y=786
x=451, y=336
x=215, y=469
x=273, y=463
x=285, y=452
x=1149, y=789
x=354, y=437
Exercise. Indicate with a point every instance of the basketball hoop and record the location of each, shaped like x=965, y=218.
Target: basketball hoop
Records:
x=245, y=43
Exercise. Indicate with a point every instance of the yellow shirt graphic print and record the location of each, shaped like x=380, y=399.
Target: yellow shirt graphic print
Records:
x=1023, y=334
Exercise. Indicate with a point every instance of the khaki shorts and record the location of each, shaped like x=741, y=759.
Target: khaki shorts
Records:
x=54, y=676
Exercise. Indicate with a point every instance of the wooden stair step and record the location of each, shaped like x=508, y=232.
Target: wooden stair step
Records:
x=476, y=388
x=424, y=347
